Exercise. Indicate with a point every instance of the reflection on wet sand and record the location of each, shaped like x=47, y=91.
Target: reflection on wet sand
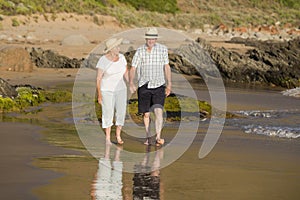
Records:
x=108, y=180
x=146, y=180
x=146, y=184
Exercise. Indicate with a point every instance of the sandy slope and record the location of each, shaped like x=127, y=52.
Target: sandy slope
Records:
x=49, y=32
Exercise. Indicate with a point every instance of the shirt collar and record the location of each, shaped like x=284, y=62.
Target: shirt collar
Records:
x=145, y=46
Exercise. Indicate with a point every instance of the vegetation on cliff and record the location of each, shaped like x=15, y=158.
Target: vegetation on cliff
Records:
x=180, y=14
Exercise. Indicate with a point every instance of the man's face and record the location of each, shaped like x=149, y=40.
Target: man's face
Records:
x=150, y=42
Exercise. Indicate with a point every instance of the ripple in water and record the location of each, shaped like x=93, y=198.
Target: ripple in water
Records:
x=274, y=123
x=295, y=92
x=285, y=132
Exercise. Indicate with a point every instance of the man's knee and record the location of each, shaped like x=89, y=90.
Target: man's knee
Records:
x=158, y=111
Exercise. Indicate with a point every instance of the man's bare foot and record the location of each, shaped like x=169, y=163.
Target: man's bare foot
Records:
x=159, y=142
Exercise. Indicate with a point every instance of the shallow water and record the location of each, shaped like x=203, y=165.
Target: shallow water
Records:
x=240, y=166
x=256, y=157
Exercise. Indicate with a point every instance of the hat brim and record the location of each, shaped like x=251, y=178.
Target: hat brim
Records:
x=151, y=37
x=117, y=43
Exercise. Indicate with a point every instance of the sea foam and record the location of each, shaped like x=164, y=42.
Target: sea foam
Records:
x=284, y=132
x=295, y=92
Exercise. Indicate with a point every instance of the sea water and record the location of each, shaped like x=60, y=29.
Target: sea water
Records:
x=282, y=120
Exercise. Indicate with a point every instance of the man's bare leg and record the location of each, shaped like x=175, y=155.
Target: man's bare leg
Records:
x=158, y=124
x=147, y=127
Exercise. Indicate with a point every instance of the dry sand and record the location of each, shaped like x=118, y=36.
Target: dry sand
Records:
x=44, y=32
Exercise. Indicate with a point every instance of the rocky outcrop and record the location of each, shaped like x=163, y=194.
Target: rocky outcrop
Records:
x=91, y=61
x=75, y=40
x=269, y=62
x=50, y=59
x=15, y=59
x=6, y=90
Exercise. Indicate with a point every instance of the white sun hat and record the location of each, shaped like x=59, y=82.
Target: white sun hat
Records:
x=111, y=43
x=151, y=33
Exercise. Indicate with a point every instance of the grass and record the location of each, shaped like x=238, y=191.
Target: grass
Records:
x=180, y=14
x=28, y=97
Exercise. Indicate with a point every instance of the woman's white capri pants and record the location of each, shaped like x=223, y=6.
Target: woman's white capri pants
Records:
x=113, y=103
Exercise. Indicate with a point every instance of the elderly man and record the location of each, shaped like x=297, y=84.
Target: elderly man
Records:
x=151, y=62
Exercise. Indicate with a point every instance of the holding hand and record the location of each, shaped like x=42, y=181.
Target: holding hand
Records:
x=132, y=88
x=100, y=99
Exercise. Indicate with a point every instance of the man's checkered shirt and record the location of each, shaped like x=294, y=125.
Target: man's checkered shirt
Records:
x=150, y=65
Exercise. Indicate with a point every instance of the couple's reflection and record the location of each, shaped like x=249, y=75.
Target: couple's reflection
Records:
x=146, y=180
x=108, y=183
x=108, y=180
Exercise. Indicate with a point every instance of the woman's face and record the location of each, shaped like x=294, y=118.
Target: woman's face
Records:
x=115, y=50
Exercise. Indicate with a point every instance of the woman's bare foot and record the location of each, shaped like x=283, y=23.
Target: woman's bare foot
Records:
x=108, y=142
x=120, y=141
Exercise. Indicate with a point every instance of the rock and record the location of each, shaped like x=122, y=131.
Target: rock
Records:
x=50, y=59
x=91, y=61
x=268, y=62
x=15, y=59
x=6, y=90
x=75, y=40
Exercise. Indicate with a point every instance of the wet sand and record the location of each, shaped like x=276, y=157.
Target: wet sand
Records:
x=240, y=166
x=20, y=143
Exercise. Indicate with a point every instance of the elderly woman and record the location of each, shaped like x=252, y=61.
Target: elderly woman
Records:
x=111, y=88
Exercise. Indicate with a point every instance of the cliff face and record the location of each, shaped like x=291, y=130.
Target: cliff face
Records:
x=268, y=63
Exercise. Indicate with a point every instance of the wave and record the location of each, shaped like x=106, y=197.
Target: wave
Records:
x=295, y=92
x=275, y=123
x=267, y=113
x=283, y=132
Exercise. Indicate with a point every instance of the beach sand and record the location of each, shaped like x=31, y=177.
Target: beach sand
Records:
x=239, y=167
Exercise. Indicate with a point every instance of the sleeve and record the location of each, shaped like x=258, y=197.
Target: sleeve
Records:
x=123, y=59
x=101, y=63
x=136, y=60
x=165, y=56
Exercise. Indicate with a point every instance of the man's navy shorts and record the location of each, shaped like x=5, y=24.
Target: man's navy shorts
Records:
x=150, y=98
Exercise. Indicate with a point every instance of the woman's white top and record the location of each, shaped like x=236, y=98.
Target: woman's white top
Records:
x=113, y=73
